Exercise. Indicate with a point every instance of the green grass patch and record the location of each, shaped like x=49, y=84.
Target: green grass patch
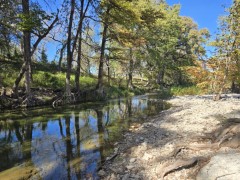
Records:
x=191, y=90
x=57, y=80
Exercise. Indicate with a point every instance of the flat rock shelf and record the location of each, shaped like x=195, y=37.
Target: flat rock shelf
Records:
x=196, y=138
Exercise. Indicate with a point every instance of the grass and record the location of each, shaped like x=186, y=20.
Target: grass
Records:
x=56, y=80
x=47, y=80
x=190, y=90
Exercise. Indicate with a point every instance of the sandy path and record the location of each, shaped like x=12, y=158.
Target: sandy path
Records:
x=146, y=147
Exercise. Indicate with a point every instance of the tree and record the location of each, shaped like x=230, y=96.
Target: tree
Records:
x=31, y=23
x=80, y=32
x=103, y=44
x=9, y=36
x=27, y=44
x=44, y=58
x=222, y=69
x=115, y=14
x=69, y=52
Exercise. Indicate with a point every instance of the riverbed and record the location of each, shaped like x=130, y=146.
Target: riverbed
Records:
x=147, y=150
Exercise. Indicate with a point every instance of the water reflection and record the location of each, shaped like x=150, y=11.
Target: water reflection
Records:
x=70, y=143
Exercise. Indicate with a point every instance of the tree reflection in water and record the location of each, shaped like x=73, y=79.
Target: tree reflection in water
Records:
x=71, y=143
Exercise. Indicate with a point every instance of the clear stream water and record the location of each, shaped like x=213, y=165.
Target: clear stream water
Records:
x=69, y=142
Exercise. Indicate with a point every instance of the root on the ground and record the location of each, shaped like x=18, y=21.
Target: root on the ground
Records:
x=226, y=136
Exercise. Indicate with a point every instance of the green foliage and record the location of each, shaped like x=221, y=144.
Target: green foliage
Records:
x=191, y=90
x=115, y=92
x=57, y=80
x=27, y=22
x=46, y=79
x=34, y=20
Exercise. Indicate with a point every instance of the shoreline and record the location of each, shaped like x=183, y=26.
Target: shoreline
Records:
x=146, y=148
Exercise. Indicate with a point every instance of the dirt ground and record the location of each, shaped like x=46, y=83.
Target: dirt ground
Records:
x=192, y=128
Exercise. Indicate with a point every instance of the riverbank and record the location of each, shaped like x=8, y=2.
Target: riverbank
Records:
x=197, y=129
x=55, y=97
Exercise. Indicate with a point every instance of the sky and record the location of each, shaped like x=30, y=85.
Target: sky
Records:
x=204, y=12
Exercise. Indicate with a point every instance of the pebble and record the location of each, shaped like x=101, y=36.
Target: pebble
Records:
x=113, y=177
x=129, y=167
x=132, y=160
x=101, y=173
x=126, y=177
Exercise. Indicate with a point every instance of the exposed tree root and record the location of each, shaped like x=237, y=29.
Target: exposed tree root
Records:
x=226, y=136
x=6, y=101
x=30, y=101
x=180, y=163
x=65, y=99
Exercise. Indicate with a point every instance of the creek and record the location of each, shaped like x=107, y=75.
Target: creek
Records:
x=68, y=142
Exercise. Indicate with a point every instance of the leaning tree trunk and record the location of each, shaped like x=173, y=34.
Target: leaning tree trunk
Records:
x=101, y=63
x=28, y=53
x=18, y=79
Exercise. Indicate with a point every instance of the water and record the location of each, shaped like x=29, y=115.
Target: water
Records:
x=67, y=143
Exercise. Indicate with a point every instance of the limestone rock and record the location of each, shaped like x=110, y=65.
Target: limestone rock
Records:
x=132, y=160
x=147, y=156
x=223, y=166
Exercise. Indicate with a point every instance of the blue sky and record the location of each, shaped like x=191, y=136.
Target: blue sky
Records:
x=204, y=12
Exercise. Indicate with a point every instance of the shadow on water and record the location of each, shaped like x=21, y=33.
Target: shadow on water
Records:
x=68, y=143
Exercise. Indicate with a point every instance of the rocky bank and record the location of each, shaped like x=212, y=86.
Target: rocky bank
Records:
x=197, y=138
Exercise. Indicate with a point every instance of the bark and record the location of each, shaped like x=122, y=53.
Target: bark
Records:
x=108, y=71
x=130, y=72
x=69, y=52
x=79, y=57
x=101, y=63
x=18, y=79
x=61, y=56
x=27, y=49
x=77, y=74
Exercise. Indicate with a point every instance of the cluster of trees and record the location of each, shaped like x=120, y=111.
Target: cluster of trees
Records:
x=222, y=71
x=123, y=38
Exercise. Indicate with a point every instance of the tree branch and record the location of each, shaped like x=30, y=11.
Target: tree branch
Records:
x=40, y=37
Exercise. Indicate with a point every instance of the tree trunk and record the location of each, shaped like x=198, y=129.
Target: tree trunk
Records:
x=130, y=72
x=27, y=49
x=108, y=71
x=77, y=74
x=69, y=53
x=61, y=57
x=161, y=75
x=101, y=63
x=18, y=79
